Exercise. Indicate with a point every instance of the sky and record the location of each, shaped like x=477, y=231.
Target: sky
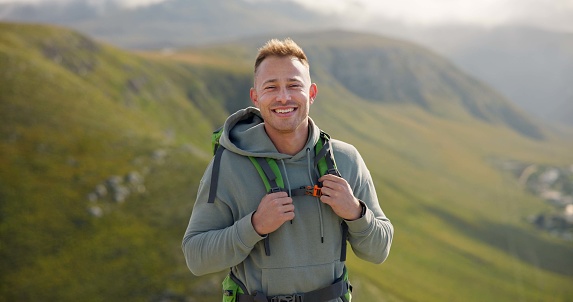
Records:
x=547, y=14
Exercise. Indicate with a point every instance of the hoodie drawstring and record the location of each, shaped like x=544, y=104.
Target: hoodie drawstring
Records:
x=286, y=178
x=310, y=168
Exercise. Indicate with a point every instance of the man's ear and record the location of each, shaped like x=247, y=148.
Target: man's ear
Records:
x=254, y=97
x=313, y=92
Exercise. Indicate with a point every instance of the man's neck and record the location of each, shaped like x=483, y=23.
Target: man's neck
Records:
x=290, y=142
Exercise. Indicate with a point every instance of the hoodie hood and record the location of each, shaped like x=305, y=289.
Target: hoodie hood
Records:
x=244, y=133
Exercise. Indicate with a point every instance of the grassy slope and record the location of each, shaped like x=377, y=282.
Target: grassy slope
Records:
x=460, y=233
x=459, y=224
x=73, y=114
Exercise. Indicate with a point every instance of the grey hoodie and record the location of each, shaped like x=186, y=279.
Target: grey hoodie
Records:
x=304, y=253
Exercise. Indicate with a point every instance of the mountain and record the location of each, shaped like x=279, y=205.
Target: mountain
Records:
x=394, y=71
x=173, y=23
x=57, y=12
x=102, y=150
x=531, y=67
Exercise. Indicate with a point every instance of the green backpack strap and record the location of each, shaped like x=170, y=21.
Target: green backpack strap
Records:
x=270, y=173
x=273, y=180
x=215, y=174
x=266, y=167
x=324, y=160
x=218, y=152
x=215, y=139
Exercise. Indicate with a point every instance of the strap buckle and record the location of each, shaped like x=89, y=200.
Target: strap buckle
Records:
x=313, y=191
x=287, y=298
x=333, y=171
x=275, y=190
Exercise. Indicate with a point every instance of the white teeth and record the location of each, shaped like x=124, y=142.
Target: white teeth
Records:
x=284, y=110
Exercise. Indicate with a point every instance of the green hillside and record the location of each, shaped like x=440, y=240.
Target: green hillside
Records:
x=74, y=115
x=79, y=116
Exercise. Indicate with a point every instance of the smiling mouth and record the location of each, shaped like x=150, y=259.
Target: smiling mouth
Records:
x=283, y=111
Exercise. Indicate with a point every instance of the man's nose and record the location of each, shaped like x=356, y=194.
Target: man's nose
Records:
x=284, y=95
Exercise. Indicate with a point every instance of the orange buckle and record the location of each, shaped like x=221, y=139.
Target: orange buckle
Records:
x=313, y=191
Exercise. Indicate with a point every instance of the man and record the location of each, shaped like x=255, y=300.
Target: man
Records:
x=280, y=245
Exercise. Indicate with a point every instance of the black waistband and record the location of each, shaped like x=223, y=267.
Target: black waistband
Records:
x=331, y=292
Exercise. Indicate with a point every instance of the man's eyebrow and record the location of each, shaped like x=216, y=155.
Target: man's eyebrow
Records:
x=295, y=80
x=277, y=80
x=269, y=81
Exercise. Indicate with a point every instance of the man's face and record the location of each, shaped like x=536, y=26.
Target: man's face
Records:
x=283, y=93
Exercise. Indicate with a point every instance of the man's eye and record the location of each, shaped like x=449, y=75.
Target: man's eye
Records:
x=269, y=87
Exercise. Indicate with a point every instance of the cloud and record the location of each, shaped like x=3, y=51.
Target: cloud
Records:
x=548, y=14
x=554, y=14
x=136, y=3
x=95, y=3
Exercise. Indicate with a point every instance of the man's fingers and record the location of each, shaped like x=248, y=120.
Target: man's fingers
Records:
x=277, y=195
x=330, y=177
x=272, y=212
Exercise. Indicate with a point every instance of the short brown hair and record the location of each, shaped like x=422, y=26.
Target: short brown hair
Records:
x=285, y=48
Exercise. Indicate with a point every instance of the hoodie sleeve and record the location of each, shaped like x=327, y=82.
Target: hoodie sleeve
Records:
x=371, y=235
x=213, y=240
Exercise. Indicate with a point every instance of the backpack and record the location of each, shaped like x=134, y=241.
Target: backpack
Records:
x=271, y=176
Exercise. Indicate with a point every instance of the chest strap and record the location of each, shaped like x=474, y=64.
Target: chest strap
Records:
x=307, y=191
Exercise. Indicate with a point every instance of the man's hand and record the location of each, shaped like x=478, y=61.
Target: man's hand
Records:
x=274, y=210
x=336, y=193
